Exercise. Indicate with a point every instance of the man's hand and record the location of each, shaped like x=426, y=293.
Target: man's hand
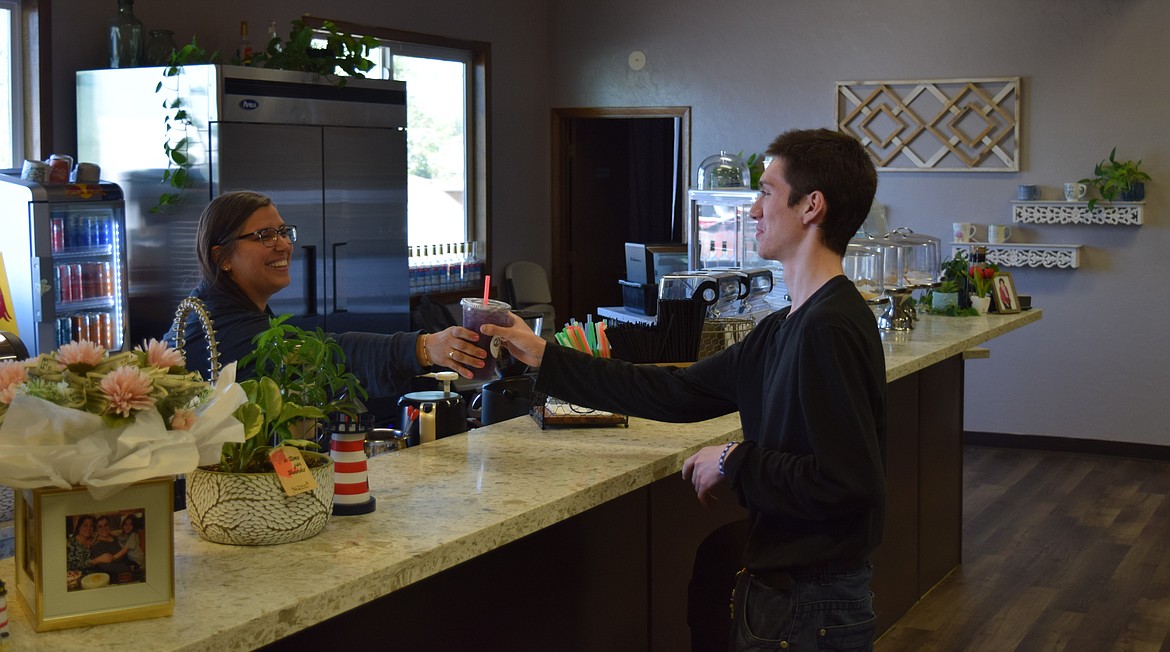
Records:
x=521, y=342
x=702, y=469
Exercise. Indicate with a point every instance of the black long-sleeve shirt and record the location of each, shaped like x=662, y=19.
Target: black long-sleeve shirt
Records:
x=810, y=390
x=384, y=364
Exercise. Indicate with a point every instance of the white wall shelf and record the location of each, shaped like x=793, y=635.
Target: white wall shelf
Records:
x=1060, y=256
x=1077, y=212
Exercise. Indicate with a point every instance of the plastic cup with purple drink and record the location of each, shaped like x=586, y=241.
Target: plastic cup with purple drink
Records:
x=476, y=313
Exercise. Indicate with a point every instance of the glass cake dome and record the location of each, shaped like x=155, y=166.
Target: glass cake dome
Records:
x=723, y=171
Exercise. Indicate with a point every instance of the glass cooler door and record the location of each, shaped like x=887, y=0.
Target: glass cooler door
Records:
x=87, y=249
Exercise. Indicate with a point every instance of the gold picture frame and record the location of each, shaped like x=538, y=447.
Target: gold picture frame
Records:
x=65, y=583
x=1003, y=292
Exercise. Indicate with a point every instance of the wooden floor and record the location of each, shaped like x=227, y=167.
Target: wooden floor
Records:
x=1060, y=552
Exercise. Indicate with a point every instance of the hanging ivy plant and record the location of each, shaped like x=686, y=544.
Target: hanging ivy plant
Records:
x=176, y=136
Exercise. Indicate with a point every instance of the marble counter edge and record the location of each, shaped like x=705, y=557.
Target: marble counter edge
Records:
x=994, y=326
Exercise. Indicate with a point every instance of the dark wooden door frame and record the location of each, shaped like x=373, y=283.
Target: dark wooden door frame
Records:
x=561, y=120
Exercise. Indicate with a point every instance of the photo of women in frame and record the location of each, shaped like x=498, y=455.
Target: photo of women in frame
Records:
x=1003, y=290
x=105, y=549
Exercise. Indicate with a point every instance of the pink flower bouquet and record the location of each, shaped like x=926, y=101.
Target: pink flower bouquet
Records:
x=82, y=416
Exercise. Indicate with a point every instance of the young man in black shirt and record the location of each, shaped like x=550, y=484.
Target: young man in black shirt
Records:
x=809, y=385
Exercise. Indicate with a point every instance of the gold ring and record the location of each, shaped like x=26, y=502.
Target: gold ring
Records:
x=451, y=354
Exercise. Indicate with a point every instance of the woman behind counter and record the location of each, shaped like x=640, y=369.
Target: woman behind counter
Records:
x=244, y=250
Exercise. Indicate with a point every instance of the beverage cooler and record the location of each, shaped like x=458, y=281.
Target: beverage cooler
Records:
x=65, y=253
x=721, y=234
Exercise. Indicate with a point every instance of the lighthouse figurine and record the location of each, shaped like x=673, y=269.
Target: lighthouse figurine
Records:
x=351, y=486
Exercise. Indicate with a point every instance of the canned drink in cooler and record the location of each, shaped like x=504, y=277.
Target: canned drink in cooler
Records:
x=74, y=231
x=57, y=231
x=76, y=281
x=93, y=228
x=107, y=280
x=94, y=322
x=107, y=326
x=64, y=330
x=65, y=281
x=80, y=328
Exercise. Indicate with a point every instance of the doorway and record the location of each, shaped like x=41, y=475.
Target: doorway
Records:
x=618, y=175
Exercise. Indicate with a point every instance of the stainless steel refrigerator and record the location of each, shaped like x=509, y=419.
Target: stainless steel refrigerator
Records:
x=332, y=158
x=65, y=254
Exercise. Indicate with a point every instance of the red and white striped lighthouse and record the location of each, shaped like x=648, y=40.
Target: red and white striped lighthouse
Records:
x=351, y=486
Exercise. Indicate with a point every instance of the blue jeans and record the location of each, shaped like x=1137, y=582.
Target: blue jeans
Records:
x=815, y=611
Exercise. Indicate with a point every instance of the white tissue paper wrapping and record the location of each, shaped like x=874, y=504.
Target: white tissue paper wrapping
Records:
x=45, y=445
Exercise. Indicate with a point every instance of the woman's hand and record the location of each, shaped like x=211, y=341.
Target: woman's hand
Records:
x=521, y=342
x=455, y=348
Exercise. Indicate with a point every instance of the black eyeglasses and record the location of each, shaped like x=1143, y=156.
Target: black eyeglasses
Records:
x=268, y=236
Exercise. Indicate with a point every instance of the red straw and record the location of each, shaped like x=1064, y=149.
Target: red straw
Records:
x=487, y=285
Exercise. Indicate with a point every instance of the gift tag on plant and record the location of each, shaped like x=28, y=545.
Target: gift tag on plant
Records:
x=292, y=470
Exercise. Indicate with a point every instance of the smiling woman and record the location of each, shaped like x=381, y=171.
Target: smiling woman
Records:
x=244, y=249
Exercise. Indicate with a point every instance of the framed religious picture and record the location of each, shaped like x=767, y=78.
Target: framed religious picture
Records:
x=1003, y=292
x=82, y=561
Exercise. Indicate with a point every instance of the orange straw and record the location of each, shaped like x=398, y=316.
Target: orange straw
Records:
x=487, y=285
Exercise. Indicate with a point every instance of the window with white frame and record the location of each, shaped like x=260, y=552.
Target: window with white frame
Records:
x=437, y=103
x=11, y=124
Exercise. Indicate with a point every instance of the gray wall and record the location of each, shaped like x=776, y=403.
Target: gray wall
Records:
x=1093, y=77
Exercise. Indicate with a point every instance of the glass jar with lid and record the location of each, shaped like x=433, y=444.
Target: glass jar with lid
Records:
x=723, y=170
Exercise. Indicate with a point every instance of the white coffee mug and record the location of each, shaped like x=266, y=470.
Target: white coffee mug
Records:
x=964, y=231
x=998, y=233
x=1075, y=191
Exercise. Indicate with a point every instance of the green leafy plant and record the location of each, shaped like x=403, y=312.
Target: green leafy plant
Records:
x=300, y=377
x=307, y=366
x=1112, y=177
x=267, y=420
x=947, y=286
x=176, y=139
x=342, y=51
x=955, y=269
x=755, y=164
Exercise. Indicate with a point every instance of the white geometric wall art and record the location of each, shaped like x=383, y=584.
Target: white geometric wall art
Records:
x=934, y=125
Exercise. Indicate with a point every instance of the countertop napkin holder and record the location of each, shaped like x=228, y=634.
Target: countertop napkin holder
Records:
x=549, y=411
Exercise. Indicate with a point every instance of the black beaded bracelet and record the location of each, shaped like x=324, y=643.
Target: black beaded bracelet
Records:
x=723, y=456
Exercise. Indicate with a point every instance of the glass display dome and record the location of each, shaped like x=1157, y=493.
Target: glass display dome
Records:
x=921, y=265
x=723, y=171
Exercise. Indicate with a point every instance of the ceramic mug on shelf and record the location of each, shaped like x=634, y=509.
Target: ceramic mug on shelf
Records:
x=35, y=171
x=1075, y=191
x=964, y=231
x=1028, y=192
x=998, y=233
x=86, y=173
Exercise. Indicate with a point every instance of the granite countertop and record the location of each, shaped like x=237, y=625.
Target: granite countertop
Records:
x=438, y=505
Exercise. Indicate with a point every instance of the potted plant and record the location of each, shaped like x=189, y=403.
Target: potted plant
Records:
x=300, y=379
x=1113, y=179
x=945, y=296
